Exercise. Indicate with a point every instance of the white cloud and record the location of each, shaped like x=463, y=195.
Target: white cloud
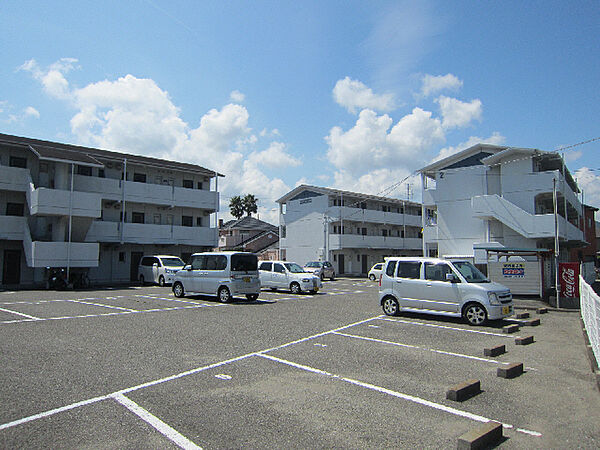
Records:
x=376, y=182
x=495, y=139
x=573, y=155
x=275, y=157
x=434, y=84
x=589, y=183
x=457, y=114
x=53, y=79
x=30, y=111
x=369, y=145
x=237, y=96
x=354, y=95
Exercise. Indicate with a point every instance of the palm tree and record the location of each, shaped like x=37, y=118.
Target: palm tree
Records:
x=236, y=207
x=249, y=203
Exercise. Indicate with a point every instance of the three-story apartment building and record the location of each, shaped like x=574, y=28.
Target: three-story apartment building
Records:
x=80, y=208
x=350, y=229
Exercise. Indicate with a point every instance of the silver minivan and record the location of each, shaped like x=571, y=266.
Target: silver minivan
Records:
x=224, y=274
x=438, y=286
x=159, y=269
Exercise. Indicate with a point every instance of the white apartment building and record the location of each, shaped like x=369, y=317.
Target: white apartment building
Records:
x=79, y=208
x=490, y=196
x=351, y=230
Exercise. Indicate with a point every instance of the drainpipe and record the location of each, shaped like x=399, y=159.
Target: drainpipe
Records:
x=123, y=200
x=556, y=245
x=70, y=223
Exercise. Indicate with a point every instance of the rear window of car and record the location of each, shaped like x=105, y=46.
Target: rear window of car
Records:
x=244, y=263
x=313, y=264
x=409, y=269
x=173, y=262
x=391, y=267
x=266, y=266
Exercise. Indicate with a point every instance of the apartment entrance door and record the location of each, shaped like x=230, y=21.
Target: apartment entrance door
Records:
x=365, y=267
x=135, y=262
x=341, y=264
x=11, y=270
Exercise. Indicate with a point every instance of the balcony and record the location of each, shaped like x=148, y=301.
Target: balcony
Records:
x=139, y=233
x=339, y=242
x=12, y=228
x=56, y=254
x=56, y=202
x=373, y=216
x=159, y=194
x=14, y=179
x=532, y=226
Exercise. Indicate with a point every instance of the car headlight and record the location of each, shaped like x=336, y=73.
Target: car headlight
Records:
x=305, y=280
x=493, y=298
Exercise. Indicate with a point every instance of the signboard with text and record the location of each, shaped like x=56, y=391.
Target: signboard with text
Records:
x=568, y=278
x=513, y=270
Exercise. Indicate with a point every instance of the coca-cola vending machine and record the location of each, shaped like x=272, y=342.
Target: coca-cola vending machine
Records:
x=568, y=278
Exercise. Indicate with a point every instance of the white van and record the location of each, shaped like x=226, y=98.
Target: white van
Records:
x=159, y=269
x=287, y=275
x=437, y=286
x=224, y=274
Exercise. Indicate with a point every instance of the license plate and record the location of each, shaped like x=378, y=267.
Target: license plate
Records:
x=505, y=309
x=246, y=279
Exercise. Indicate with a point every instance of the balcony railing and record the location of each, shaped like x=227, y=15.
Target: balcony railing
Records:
x=12, y=228
x=110, y=189
x=56, y=202
x=338, y=242
x=139, y=233
x=14, y=179
x=373, y=216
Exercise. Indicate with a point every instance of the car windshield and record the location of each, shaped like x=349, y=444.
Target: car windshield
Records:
x=173, y=262
x=313, y=264
x=294, y=268
x=244, y=262
x=470, y=272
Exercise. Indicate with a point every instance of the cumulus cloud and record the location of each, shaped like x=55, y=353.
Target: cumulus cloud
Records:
x=589, y=183
x=354, y=95
x=369, y=144
x=135, y=115
x=434, y=84
x=377, y=181
x=30, y=111
x=275, y=157
x=237, y=96
x=458, y=114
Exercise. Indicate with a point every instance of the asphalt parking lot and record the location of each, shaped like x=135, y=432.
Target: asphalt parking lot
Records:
x=136, y=367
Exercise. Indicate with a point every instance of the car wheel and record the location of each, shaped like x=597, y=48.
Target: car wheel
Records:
x=295, y=288
x=252, y=297
x=224, y=295
x=322, y=277
x=332, y=277
x=390, y=306
x=161, y=281
x=475, y=314
x=178, y=290
x=142, y=280
x=372, y=277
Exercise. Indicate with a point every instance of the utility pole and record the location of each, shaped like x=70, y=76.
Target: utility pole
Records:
x=556, y=244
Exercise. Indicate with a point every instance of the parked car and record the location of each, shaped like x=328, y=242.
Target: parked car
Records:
x=224, y=274
x=437, y=286
x=375, y=271
x=287, y=275
x=322, y=269
x=159, y=269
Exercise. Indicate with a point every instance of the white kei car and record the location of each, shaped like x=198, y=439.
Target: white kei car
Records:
x=287, y=275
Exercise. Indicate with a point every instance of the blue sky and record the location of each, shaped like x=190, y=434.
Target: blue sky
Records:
x=347, y=94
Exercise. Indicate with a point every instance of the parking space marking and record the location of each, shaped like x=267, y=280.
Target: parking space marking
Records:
x=512, y=336
x=102, y=305
x=19, y=314
x=401, y=395
x=433, y=350
x=166, y=430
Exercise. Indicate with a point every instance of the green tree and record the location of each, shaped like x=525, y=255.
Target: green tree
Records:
x=236, y=206
x=249, y=204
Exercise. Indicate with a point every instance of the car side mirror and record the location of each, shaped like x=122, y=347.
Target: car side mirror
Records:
x=187, y=267
x=451, y=278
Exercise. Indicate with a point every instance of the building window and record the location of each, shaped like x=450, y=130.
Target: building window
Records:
x=198, y=221
x=137, y=217
x=384, y=233
x=364, y=231
x=200, y=185
x=157, y=219
x=101, y=173
x=187, y=221
x=283, y=232
x=169, y=219
x=188, y=184
x=14, y=209
x=139, y=177
x=17, y=161
x=121, y=219
x=84, y=170
x=121, y=256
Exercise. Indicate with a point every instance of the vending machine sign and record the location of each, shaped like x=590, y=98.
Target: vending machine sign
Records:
x=568, y=277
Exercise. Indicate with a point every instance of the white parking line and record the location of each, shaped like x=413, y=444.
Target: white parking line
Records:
x=102, y=305
x=512, y=336
x=20, y=314
x=460, y=355
x=408, y=397
x=172, y=434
